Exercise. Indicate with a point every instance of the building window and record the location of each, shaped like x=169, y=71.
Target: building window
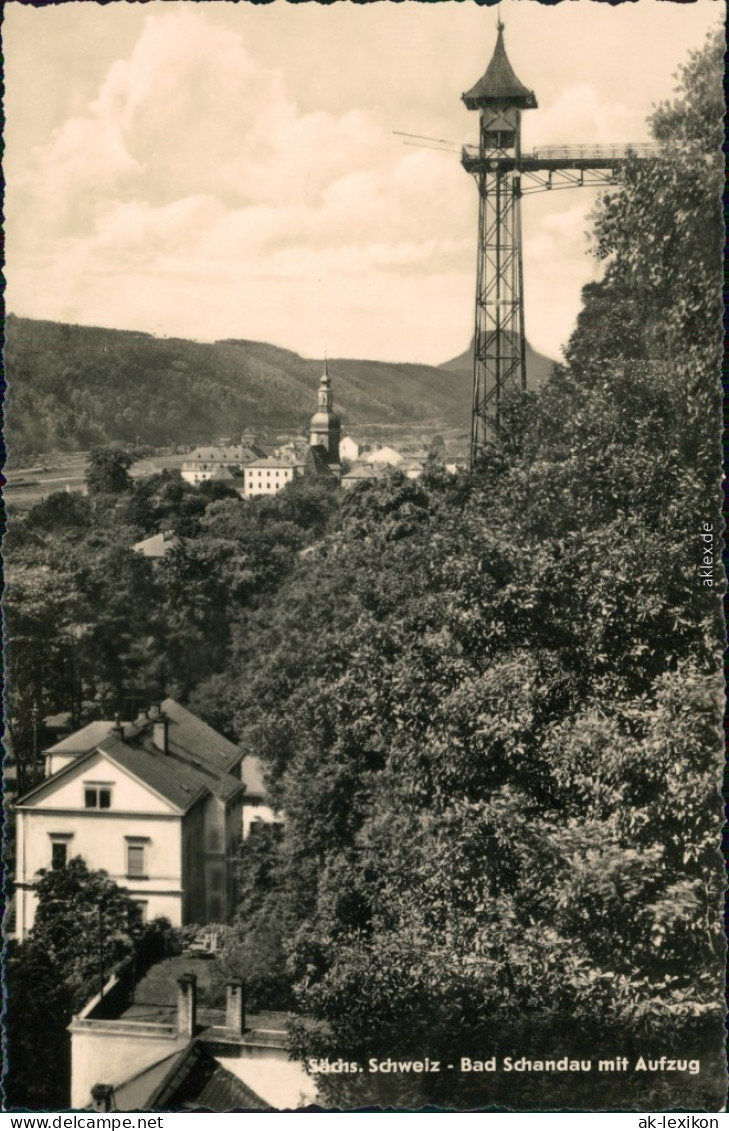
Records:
x=97, y=797
x=59, y=854
x=135, y=860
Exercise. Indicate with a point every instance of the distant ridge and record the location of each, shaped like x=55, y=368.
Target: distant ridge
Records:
x=70, y=387
x=538, y=366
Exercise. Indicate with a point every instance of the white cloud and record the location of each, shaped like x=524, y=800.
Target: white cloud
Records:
x=581, y=115
x=193, y=168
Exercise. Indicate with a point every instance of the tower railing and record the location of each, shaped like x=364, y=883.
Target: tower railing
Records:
x=607, y=153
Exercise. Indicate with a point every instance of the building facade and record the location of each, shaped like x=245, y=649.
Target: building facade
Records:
x=213, y=462
x=268, y=476
x=348, y=448
x=126, y=1056
x=160, y=804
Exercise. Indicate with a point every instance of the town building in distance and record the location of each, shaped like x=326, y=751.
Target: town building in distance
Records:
x=209, y=462
x=267, y=476
x=252, y=471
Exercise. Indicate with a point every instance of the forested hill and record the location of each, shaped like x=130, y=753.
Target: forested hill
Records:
x=75, y=386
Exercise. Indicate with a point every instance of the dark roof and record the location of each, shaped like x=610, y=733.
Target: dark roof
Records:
x=187, y=734
x=222, y=1091
x=176, y=776
x=281, y=462
x=317, y=461
x=235, y=453
x=191, y=1079
x=499, y=83
x=82, y=740
x=198, y=759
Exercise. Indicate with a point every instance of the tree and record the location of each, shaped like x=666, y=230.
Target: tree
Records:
x=71, y=895
x=83, y=928
x=62, y=510
x=107, y=472
x=662, y=238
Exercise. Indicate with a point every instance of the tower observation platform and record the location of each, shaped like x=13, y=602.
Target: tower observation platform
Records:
x=602, y=162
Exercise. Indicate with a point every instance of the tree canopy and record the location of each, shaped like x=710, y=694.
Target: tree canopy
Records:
x=82, y=929
x=490, y=709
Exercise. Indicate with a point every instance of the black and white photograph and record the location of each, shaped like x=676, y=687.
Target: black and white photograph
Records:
x=363, y=561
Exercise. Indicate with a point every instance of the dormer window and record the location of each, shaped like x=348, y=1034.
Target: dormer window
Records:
x=97, y=796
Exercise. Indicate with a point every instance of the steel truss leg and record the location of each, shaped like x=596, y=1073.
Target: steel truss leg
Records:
x=499, y=351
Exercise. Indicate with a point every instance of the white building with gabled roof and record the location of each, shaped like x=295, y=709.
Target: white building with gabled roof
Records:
x=268, y=476
x=209, y=462
x=385, y=455
x=348, y=448
x=160, y=804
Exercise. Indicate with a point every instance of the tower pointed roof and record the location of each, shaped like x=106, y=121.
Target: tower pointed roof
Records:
x=499, y=83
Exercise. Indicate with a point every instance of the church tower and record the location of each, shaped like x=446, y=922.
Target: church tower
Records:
x=325, y=429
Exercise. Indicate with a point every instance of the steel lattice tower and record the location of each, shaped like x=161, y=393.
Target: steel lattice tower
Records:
x=499, y=343
x=503, y=175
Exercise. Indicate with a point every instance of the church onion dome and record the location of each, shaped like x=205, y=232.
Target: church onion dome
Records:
x=324, y=418
x=499, y=83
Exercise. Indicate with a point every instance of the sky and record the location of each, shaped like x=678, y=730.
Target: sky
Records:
x=233, y=170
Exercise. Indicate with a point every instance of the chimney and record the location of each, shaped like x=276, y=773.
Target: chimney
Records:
x=101, y=1097
x=235, y=1007
x=186, y=1004
x=117, y=730
x=159, y=731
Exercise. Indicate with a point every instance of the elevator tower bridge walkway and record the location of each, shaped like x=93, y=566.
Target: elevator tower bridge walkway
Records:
x=563, y=166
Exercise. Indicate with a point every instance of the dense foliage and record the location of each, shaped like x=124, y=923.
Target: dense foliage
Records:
x=85, y=926
x=488, y=707
x=490, y=710
x=94, y=628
